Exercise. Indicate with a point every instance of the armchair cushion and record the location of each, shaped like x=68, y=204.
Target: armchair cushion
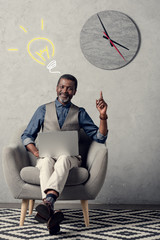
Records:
x=77, y=175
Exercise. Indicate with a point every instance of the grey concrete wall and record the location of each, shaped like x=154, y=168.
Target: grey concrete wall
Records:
x=132, y=92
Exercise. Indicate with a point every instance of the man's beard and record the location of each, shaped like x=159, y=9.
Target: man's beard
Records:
x=63, y=100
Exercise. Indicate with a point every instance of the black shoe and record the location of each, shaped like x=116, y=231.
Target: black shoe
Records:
x=44, y=210
x=54, y=230
x=54, y=222
x=40, y=219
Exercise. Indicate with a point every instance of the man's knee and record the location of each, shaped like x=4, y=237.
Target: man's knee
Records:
x=46, y=162
x=64, y=161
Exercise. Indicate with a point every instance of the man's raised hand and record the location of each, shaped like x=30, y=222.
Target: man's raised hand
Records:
x=101, y=105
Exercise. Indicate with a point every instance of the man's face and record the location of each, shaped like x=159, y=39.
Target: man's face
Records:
x=65, y=90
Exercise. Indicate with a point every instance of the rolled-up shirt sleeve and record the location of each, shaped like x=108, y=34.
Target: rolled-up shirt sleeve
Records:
x=34, y=126
x=89, y=127
x=100, y=136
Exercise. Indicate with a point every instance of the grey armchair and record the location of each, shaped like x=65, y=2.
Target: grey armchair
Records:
x=83, y=183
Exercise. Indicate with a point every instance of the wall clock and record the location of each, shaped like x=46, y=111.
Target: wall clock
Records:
x=109, y=39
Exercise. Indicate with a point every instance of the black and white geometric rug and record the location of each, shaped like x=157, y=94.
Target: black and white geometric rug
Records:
x=104, y=224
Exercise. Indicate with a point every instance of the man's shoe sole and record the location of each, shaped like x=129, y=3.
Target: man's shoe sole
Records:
x=40, y=219
x=54, y=230
x=43, y=211
x=55, y=219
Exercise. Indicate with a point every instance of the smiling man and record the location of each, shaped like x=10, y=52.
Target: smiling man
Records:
x=60, y=115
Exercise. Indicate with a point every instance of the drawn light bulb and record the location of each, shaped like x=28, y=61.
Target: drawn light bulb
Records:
x=41, y=50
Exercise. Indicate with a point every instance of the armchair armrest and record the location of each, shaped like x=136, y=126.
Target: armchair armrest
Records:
x=14, y=159
x=97, y=161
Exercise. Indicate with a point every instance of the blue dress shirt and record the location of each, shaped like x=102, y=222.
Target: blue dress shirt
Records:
x=37, y=120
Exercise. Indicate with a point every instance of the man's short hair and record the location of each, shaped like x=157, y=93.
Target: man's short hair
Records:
x=69, y=77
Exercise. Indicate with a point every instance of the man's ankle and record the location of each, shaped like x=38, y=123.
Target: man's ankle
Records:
x=52, y=192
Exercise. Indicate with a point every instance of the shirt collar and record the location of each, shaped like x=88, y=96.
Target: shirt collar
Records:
x=58, y=104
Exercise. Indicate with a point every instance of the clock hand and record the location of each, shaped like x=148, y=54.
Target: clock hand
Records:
x=111, y=43
x=104, y=29
x=115, y=46
x=116, y=43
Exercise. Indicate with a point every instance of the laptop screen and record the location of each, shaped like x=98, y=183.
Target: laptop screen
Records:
x=54, y=144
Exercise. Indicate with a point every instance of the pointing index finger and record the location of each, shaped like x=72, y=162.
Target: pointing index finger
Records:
x=101, y=95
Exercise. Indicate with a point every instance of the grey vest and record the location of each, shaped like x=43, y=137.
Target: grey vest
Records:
x=51, y=122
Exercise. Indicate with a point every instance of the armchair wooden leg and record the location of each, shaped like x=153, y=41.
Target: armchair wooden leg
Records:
x=24, y=207
x=84, y=204
x=31, y=206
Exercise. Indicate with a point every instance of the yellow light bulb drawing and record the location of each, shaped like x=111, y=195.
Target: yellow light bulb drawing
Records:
x=41, y=50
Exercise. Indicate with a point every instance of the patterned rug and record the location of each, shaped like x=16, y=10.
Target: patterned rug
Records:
x=104, y=224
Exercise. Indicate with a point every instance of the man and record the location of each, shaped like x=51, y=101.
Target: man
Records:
x=60, y=115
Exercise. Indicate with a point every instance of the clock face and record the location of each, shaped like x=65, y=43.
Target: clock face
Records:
x=109, y=40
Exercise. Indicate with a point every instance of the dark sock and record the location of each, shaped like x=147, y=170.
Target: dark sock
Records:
x=51, y=198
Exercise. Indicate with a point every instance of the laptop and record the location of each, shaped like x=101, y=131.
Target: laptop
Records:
x=54, y=144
